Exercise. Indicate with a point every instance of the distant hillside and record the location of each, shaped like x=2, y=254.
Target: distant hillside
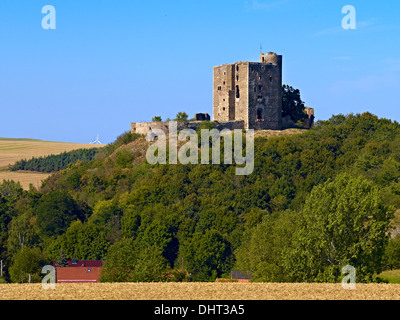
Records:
x=15, y=149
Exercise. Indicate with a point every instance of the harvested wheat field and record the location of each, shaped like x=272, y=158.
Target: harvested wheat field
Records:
x=199, y=291
x=25, y=178
x=12, y=150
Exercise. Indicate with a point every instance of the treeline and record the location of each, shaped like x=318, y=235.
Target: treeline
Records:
x=57, y=162
x=314, y=203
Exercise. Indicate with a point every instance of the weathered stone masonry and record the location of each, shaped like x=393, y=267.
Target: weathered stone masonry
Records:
x=145, y=127
x=250, y=91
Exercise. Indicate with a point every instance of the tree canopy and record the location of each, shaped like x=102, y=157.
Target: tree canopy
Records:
x=314, y=202
x=292, y=105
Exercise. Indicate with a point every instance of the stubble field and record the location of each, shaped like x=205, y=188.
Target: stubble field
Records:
x=12, y=150
x=199, y=291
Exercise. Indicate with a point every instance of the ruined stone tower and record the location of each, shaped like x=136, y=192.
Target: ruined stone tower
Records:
x=250, y=91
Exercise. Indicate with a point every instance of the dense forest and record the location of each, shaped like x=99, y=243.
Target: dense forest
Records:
x=53, y=163
x=314, y=203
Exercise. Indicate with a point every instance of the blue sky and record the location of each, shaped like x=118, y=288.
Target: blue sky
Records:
x=110, y=63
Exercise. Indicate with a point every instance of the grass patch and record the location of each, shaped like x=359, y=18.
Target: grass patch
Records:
x=393, y=276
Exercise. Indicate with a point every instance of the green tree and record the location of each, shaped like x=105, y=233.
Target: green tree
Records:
x=55, y=211
x=124, y=158
x=11, y=189
x=62, y=260
x=263, y=247
x=119, y=261
x=391, y=258
x=150, y=265
x=23, y=232
x=107, y=213
x=5, y=219
x=207, y=256
x=344, y=222
x=156, y=119
x=127, y=262
x=27, y=262
x=122, y=139
x=181, y=116
x=82, y=241
x=292, y=105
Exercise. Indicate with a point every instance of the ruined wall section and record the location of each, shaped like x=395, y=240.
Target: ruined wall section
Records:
x=309, y=122
x=145, y=127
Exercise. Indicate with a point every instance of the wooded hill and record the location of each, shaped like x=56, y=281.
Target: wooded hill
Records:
x=314, y=203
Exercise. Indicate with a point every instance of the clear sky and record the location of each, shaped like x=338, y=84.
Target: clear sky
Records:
x=112, y=62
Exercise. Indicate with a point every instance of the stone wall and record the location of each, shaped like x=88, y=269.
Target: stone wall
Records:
x=242, y=92
x=223, y=93
x=145, y=127
x=309, y=122
x=265, y=96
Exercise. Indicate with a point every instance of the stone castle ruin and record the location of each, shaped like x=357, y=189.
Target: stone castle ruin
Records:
x=246, y=95
x=250, y=91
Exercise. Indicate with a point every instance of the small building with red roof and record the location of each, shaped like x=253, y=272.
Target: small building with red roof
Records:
x=79, y=271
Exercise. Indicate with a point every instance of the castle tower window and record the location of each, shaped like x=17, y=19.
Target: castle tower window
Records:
x=237, y=68
x=259, y=115
x=237, y=92
x=259, y=88
x=237, y=78
x=259, y=78
x=270, y=79
x=255, y=89
x=259, y=96
x=219, y=88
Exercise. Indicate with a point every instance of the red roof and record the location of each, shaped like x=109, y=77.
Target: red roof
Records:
x=82, y=263
x=78, y=275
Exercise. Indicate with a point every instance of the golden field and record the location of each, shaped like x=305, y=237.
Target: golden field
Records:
x=199, y=291
x=12, y=150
